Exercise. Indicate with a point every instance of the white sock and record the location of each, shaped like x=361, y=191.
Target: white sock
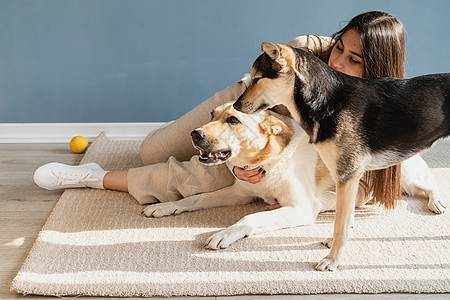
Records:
x=100, y=175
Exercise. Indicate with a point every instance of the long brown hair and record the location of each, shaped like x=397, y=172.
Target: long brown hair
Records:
x=383, y=43
x=383, y=50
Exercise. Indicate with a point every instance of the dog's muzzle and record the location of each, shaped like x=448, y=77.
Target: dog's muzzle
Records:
x=244, y=107
x=197, y=135
x=208, y=156
x=238, y=105
x=247, y=107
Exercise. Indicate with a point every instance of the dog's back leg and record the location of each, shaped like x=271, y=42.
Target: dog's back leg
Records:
x=417, y=178
x=345, y=208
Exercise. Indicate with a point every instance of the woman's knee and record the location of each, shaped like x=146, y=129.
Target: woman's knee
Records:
x=150, y=151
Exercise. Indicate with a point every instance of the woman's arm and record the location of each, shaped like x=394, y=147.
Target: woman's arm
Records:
x=318, y=45
x=175, y=139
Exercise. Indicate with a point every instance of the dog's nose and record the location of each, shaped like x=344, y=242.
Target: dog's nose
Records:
x=197, y=135
x=238, y=104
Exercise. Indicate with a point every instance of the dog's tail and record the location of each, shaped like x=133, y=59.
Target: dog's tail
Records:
x=384, y=185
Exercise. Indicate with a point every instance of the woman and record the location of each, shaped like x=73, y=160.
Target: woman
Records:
x=371, y=45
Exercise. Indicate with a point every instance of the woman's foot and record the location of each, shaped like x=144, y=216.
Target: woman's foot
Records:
x=55, y=176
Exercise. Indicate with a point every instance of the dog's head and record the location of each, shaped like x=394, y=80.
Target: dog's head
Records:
x=273, y=80
x=246, y=139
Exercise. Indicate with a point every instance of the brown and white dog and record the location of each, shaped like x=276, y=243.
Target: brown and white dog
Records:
x=295, y=177
x=355, y=124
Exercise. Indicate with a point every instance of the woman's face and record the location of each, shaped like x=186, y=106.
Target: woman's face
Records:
x=346, y=55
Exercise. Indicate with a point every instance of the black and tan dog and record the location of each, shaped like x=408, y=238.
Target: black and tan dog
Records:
x=355, y=124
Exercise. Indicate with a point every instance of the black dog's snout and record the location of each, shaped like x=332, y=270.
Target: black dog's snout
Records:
x=238, y=105
x=197, y=135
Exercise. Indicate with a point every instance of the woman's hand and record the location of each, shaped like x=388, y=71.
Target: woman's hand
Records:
x=250, y=176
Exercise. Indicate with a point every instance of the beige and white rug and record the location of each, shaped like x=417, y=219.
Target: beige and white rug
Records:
x=97, y=243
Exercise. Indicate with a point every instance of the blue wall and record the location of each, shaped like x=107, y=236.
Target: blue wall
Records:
x=151, y=61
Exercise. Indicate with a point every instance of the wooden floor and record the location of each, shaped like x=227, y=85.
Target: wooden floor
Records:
x=25, y=207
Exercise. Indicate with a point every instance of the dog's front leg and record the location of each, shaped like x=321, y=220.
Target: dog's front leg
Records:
x=345, y=204
x=228, y=196
x=260, y=222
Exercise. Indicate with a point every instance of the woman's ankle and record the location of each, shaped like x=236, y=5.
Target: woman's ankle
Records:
x=116, y=180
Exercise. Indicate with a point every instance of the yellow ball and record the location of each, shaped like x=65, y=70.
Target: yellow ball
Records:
x=78, y=144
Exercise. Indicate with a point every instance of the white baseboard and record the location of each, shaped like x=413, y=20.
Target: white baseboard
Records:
x=21, y=133
x=64, y=132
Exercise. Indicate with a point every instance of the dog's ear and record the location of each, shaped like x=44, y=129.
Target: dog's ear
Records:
x=271, y=50
x=278, y=54
x=274, y=126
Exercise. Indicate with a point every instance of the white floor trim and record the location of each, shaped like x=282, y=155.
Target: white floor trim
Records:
x=21, y=133
x=64, y=132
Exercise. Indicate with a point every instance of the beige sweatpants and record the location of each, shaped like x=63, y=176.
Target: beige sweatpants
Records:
x=171, y=168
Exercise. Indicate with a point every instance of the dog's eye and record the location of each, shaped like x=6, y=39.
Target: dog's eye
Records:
x=212, y=115
x=232, y=120
x=255, y=80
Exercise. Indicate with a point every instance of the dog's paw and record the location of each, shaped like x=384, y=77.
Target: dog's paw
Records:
x=223, y=239
x=161, y=210
x=327, y=264
x=437, y=205
x=327, y=242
